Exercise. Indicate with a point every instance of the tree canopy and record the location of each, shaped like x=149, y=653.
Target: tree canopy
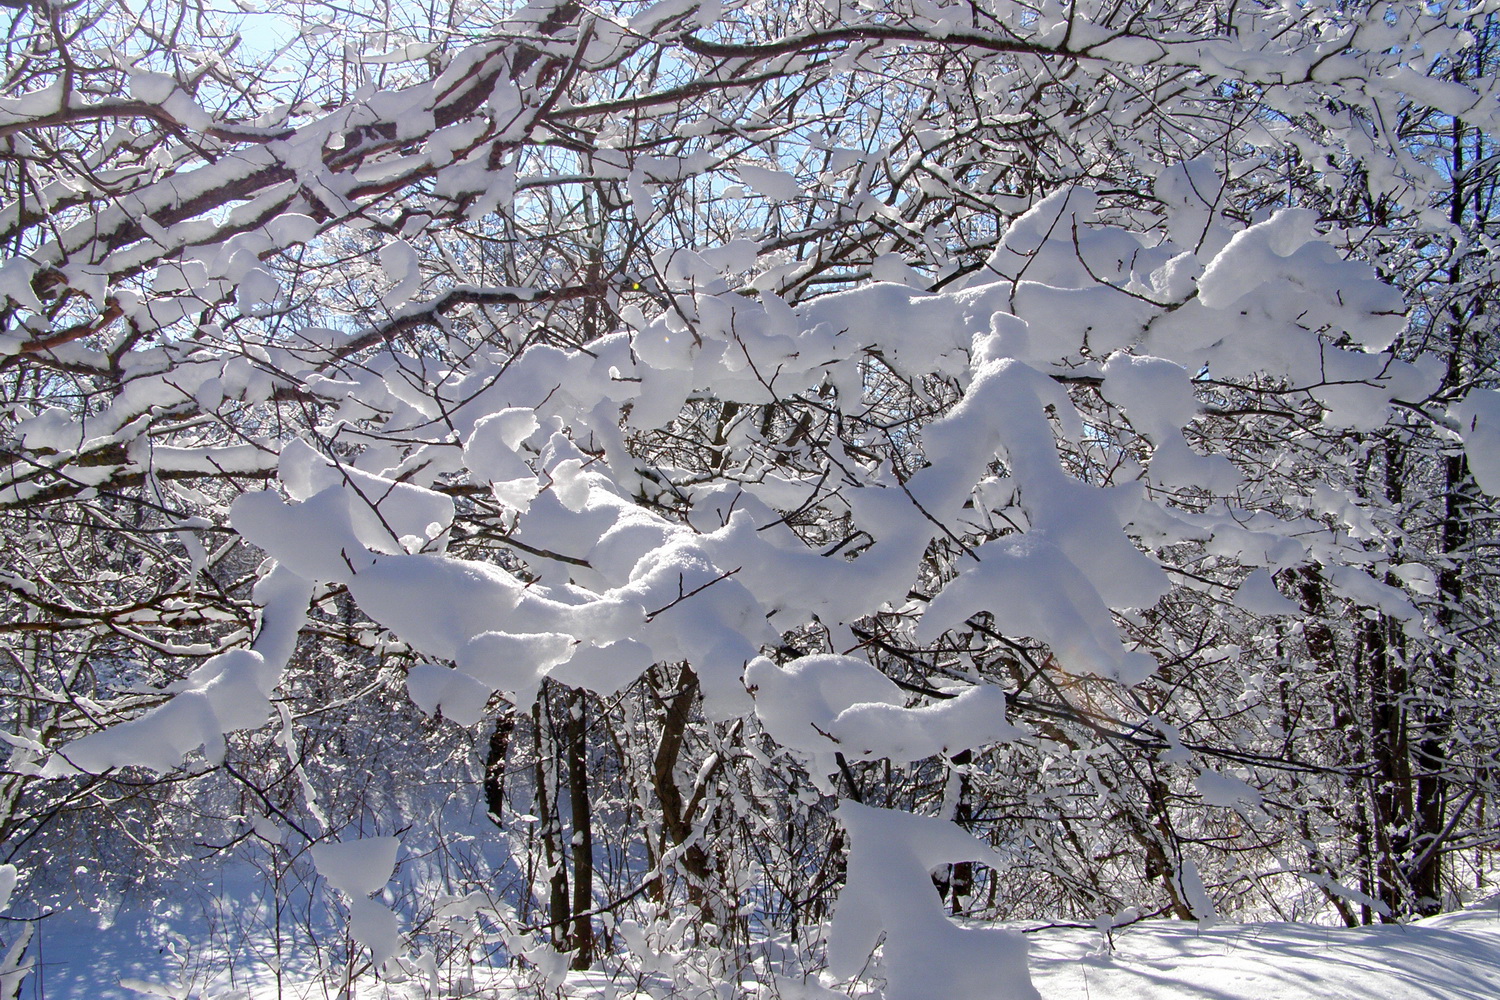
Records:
x=768, y=483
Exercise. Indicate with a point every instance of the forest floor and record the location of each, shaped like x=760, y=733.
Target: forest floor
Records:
x=1455, y=956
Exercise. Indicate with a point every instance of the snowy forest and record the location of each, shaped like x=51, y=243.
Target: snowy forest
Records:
x=739, y=498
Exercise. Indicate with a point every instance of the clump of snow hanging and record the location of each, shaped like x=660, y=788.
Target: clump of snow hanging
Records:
x=1157, y=398
x=514, y=664
x=1478, y=416
x=399, y=261
x=889, y=891
x=1259, y=596
x=383, y=511
x=314, y=539
x=774, y=184
x=457, y=696
x=1218, y=789
x=492, y=455
x=230, y=691
x=819, y=704
x=358, y=868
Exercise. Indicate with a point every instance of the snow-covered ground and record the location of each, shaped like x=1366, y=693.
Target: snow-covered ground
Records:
x=1455, y=956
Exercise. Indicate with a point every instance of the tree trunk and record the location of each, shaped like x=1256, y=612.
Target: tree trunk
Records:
x=583, y=832
x=677, y=826
x=551, y=830
x=495, y=756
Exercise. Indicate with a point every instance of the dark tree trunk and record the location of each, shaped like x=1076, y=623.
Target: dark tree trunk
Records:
x=551, y=829
x=495, y=757
x=677, y=819
x=583, y=832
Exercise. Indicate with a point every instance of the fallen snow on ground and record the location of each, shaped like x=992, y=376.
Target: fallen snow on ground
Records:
x=1455, y=956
